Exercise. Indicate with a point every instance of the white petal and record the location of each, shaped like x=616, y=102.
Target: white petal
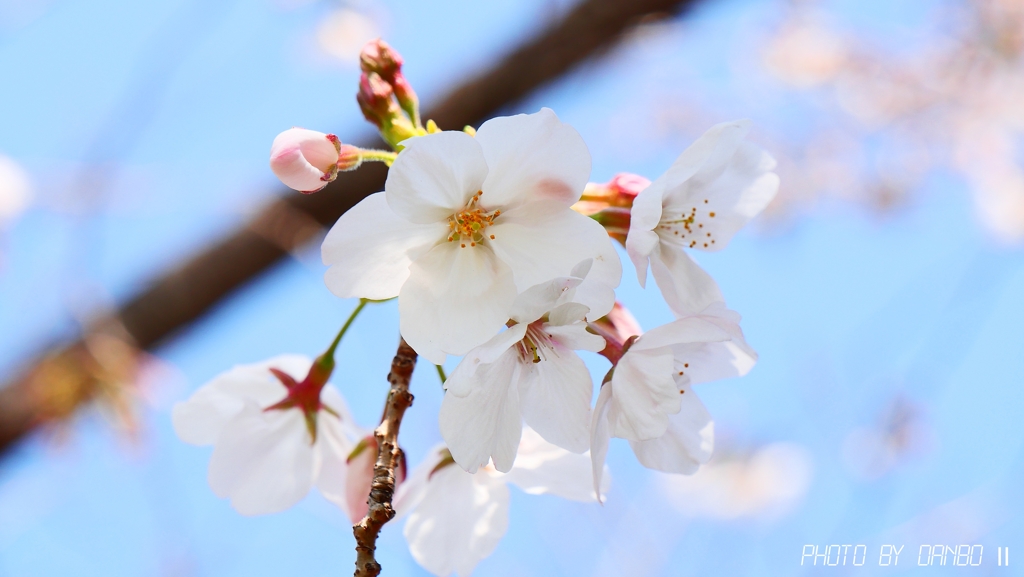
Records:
x=687, y=287
x=568, y=314
x=462, y=378
x=576, y=337
x=686, y=445
x=645, y=394
x=545, y=240
x=409, y=494
x=702, y=163
x=344, y=422
x=600, y=436
x=713, y=361
x=370, y=249
x=202, y=417
x=455, y=299
x=537, y=300
x=582, y=269
x=544, y=469
x=458, y=522
x=336, y=437
x=718, y=184
x=640, y=245
x=435, y=176
x=533, y=157
x=263, y=461
x=556, y=394
x=334, y=448
x=487, y=422
x=691, y=329
x=738, y=195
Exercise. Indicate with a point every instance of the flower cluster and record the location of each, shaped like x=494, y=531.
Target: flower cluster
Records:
x=500, y=252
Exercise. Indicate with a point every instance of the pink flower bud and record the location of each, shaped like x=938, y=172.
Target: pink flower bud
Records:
x=377, y=56
x=618, y=192
x=379, y=59
x=625, y=184
x=374, y=99
x=305, y=160
x=359, y=477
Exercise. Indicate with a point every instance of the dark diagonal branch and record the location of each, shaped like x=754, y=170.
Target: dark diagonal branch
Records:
x=382, y=490
x=175, y=299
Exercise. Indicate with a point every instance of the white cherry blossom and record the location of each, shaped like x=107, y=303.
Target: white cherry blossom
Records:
x=530, y=371
x=711, y=191
x=456, y=519
x=649, y=400
x=467, y=223
x=264, y=459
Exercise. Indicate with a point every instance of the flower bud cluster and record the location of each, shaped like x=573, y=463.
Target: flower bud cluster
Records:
x=385, y=96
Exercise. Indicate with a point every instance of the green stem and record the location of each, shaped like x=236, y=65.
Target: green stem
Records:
x=378, y=155
x=330, y=351
x=440, y=373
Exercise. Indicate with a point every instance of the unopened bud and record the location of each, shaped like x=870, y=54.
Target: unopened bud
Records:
x=617, y=192
x=379, y=57
x=610, y=203
x=406, y=96
x=305, y=160
x=378, y=107
x=374, y=99
x=625, y=185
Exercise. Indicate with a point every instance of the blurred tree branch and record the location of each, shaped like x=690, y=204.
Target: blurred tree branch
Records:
x=174, y=300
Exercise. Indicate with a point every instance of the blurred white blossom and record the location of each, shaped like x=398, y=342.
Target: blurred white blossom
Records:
x=765, y=484
x=456, y=519
x=15, y=189
x=264, y=458
x=343, y=33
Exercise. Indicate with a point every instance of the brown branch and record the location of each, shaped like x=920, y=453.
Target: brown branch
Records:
x=182, y=295
x=388, y=456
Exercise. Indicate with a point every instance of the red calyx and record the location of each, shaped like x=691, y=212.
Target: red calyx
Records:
x=305, y=395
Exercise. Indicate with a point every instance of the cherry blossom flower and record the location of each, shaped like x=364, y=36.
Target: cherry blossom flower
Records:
x=530, y=371
x=649, y=400
x=456, y=519
x=467, y=223
x=307, y=160
x=711, y=191
x=268, y=451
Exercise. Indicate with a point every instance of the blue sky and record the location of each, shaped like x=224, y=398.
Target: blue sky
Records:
x=169, y=108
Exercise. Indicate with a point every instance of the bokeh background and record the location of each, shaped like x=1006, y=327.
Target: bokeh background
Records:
x=883, y=289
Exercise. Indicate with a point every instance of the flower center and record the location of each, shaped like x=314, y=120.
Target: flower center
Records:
x=536, y=344
x=689, y=227
x=468, y=226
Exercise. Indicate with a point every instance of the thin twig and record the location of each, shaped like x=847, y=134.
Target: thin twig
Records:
x=382, y=490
